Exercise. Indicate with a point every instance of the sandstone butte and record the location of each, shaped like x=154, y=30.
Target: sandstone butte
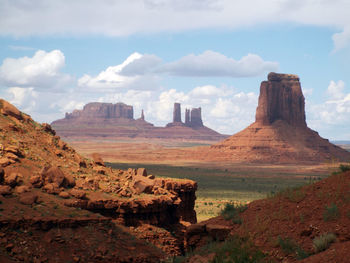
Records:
x=57, y=206
x=280, y=133
x=107, y=120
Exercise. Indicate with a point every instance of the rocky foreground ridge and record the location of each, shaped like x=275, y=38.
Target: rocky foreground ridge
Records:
x=107, y=120
x=48, y=190
x=280, y=132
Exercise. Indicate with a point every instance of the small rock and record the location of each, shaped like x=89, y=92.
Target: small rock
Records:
x=22, y=189
x=13, y=179
x=80, y=194
x=28, y=198
x=64, y=195
x=5, y=190
x=36, y=181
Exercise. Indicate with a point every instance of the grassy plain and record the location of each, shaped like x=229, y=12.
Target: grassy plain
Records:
x=219, y=184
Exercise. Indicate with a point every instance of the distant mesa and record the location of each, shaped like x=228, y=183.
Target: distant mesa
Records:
x=99, y=110
x=108, y=120
x=280, y=132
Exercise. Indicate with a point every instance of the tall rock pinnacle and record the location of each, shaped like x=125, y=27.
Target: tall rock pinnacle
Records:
x=281, y=98
x=177, y=112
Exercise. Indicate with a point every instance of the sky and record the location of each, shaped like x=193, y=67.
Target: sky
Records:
x=56, y=56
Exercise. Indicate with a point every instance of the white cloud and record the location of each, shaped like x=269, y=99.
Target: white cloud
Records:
x=23, y=97
x=332, y=116
x=212, y=63
x=42, y=71
x=335, y=89
x=143, y=71
x=123, y=18
x=130, y=74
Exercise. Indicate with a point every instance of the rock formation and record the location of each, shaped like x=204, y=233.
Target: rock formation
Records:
x=195, y=118
x=281, y=98
x=187, y=118
x=98, y=110
x=177, y=113
x=280, y=132
x=107, y=120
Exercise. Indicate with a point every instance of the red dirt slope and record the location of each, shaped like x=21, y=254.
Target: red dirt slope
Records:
x=300, y=215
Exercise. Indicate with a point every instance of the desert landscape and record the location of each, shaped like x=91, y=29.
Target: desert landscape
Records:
x=175, y=199
x=179, y=131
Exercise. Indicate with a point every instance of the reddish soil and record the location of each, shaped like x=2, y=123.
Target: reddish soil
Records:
x=299, y=215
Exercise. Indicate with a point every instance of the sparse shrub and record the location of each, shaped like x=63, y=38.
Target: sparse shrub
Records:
x=238, y=250
x=344, y=167
x=323, y=242
x=289, y=246
x=232, y=211
x=331, y=212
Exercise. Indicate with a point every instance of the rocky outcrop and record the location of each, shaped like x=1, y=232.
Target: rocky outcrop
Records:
x=281, y=98
x=280, y=132
x=103, y=111
x=195, y=120
x=193, y=117
x=177, y=112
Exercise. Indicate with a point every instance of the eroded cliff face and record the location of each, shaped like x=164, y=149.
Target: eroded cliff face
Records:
x=280, y=132
x=281, y=98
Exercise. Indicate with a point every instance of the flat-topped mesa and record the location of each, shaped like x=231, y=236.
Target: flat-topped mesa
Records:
x=281, y=98
x=103, y=111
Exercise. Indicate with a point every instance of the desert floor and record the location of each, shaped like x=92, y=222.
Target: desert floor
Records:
x=219, y=182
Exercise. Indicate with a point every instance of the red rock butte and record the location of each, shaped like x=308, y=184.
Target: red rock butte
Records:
x=280, y=132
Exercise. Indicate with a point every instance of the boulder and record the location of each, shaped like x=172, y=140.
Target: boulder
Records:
x=28, y=198
x=13, y=179
x=218, y=232
x=47, y=128
x=64, y=195
x=52, y=174
x=68, y=181
x=141, y=184
x=51, y=188
x=5, y=190
x=4, y=161
x=80, y=194
x=22, y=189
x=97, y=159
x=36, y=180
x=141, y=172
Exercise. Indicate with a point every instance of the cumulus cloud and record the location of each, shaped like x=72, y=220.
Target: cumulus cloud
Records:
x=332, y=116
x=130, y=74
x=143, y=71
x=214, y=64
x=123, y=18
x=42, y=71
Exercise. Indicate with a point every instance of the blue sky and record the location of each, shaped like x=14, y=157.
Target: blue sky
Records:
x=56, y=56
